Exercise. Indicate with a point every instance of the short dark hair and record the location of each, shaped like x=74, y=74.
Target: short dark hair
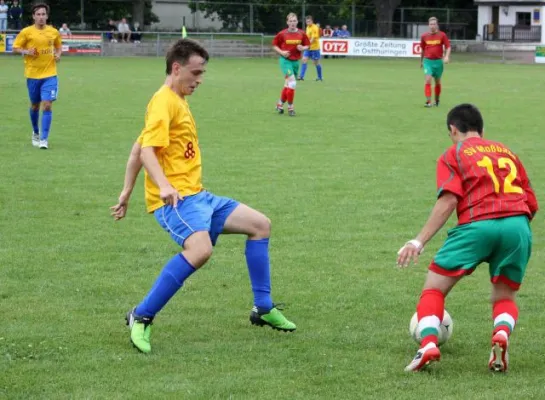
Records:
x=181, y=52
x=466, y=118
x=37, y=6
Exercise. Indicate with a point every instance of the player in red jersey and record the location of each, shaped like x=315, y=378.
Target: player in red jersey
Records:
x=289, y=44
x=487, y=184
x=434, y=44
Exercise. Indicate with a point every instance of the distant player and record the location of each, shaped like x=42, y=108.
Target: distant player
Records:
x=487, y=184
x=289, y=44
x=435, y=51
x=313, y=33
x=42, y=47
x=168, y=148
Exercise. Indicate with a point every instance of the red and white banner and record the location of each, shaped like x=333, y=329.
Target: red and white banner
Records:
x=370, y=47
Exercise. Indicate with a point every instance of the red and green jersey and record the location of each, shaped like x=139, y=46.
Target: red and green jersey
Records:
x=488, y=179
x=289, y=41
x=432, y=44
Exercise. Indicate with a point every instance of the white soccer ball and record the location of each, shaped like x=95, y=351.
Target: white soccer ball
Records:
x=445, y=331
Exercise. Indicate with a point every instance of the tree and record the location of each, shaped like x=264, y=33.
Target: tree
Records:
x=385, y=15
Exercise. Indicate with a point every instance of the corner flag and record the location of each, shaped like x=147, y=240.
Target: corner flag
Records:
x=184, y=32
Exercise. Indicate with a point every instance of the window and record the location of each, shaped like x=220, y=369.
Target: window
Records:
x=524, y=19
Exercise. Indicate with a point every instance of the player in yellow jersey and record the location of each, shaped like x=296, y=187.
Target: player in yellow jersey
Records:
x=168, y=148
x=41, y=46
x=313, y=33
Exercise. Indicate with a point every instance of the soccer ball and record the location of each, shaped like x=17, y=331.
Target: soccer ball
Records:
x=445, y=331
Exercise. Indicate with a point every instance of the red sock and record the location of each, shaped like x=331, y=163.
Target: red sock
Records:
x=505, y=314
x=431, y=304
x=437, y=91
x=283, y=95
x=290, y=95
x=427, y=90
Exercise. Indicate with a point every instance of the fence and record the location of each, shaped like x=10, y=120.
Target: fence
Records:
x=155, y=44
x=512, y=33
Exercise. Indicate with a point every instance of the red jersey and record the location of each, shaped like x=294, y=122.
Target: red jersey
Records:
x=289, y=41
x=488, y=179
x=432, y=44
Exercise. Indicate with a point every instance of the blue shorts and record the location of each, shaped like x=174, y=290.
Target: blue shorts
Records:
x=312, y=54
x=203, y=211
x=45, y=89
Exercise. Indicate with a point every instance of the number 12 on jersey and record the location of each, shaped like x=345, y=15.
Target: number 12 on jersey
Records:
x=503, y=163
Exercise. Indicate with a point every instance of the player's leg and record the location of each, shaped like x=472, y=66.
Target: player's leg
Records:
x=465, y=248
x=427, y=65
x=48, y=94
x=316, y=60
x=290, y=91
x=231, y=217
x=286, y=69
x=507, y=270
x=33, y=86
x=188, y=224
x=438, y=73
x=306, y=56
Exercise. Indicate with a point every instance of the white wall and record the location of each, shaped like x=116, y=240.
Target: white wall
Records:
x=171, y=14
x=484, y=17
x=511, y=17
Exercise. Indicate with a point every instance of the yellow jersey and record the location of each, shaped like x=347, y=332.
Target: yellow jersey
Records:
x=170, y=128
x=45, y=41
x=313, y=33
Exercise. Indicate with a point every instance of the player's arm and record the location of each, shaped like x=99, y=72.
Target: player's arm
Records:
x=305, y=43
x=449, y=191
x=422, y=47
x=19, y=45
x=277, y=44
x=448, y=49
x=134, y=165
x=58, y=47
x=531, y=199
x=154, y=137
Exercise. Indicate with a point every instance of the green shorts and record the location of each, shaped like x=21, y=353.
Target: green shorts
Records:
x=289, y=67
x=433, y=67
x=505, y=244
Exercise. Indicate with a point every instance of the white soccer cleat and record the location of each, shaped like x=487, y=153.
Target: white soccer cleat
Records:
x=424, y=357
x=35, y=139
x=499, y=357
x=43, y=144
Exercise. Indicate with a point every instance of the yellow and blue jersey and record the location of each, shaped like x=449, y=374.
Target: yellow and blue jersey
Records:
x=313, y=33
x=171, y=130
x=45, y=41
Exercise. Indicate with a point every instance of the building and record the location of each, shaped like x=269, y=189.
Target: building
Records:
x=511, y=20
x=175, y=13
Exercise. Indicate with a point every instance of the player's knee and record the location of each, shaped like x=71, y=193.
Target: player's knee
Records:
x=292, y=83
x=46, y=106
x=262, y=227
x=35, y=107
x=198, y=249
x=502, y=291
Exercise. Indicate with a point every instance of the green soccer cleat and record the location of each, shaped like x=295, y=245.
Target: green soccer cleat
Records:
x=140, y=331
x=274, y=318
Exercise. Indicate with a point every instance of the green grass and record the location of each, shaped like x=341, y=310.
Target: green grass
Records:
x=346, y=183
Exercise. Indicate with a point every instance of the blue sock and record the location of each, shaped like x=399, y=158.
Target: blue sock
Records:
x=47, y=116
x=170, y=280
x=319, y=71
x=257, y=258
x=303, y=70
x=34, y=117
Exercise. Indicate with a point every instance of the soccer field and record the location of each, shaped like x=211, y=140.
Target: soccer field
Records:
x=345, y=183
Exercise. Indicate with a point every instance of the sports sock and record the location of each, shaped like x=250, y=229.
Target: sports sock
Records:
x=34, y=117
x=257, y=259
x=303, y=71
x=505, y=314
x=47, y=116
x=437, y=91
x=170, y=280
x=430, y=310
x=319, y=71
x=427, y=91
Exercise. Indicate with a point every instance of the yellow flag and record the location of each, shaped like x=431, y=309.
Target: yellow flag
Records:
x=184, y=32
